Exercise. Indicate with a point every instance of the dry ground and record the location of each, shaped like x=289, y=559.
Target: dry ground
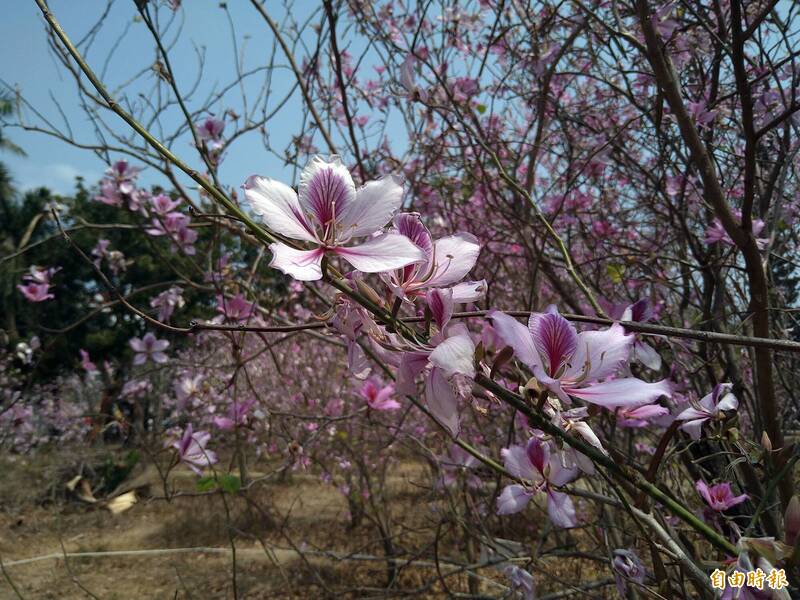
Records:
x=279, y=555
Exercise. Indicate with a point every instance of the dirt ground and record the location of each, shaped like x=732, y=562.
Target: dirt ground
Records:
x=303, y=545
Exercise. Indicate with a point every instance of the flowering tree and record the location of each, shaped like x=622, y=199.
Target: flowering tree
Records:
x=620, y=175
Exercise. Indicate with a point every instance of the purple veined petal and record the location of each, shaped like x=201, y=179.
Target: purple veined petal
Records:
x=326, y=189
x=554, y=338
x=694, y=428
x=159, y=345
x=411, y=365
x=453, y=257
x=411, y=226
x=647, y=355
x=624, y=392
x=560, y=509
x=602, y=352
x=137, y=345
x=139, y=359
x=442, y=401
x=469, y=291
x=515, y=334
x=278, y=206
x=512, y=499
x=159, y=357
x=382, y=253
x=456, y=354
x=440, y=303
x=538, y=452
x=518, y=463
x=374, y=204
x=303, y=265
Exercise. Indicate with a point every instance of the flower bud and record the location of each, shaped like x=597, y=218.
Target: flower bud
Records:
x=766, y=443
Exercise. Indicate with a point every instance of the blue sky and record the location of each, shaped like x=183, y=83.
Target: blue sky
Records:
x=29, y=66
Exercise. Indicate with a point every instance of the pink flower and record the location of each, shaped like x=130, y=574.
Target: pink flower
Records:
x=447, y=261
x=449, y=352
x=149, y=348
x=35, y=292
x=237, y=415
x=543, y=467
x=210, y=131
x=236, y=308
x=86, y=362
x=577, y=364
x=627, y=567
x=328, y=212
x=163, y=204
x=192, y=450
x=36, y=284
x=719, y=496
x=710, y=407
x=188, y=388
x=716, y=234
x=167, y=301
x=377, y=397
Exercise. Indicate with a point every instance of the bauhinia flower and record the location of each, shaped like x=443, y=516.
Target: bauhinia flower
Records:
x=543, y=469
x=237, y=415
x=36, y=284
x=627, y=567
x=447, y=261
x=236, y=308
x=149, y=347
x=210, y=130
x=328, y=212
x=86, y=362
x=449, y=352
x=719, y=496
x=711, y=406
x=379, y=397
x=577, y=364
x=192, y=450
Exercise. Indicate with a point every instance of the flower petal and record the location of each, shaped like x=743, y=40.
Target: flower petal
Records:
x=455, y=355
x=554, y=338
x=469, y=291
x=441, y=400
x=627, y=391
x=600, y=353
x=411, y=365
x=515, y=334
x=411, y=226
x=304, y=265
x=560, y=509
x=440, y=303
x=383, y=253
x=278, y=206
x=518, y=463
x=512, y=499
x=453, y=257
x=374, y=204
x=326, y=189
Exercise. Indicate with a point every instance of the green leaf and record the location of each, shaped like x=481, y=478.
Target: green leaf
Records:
x=206, y=484
x=616, y=272
x=481, y=108
x=230, y=483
